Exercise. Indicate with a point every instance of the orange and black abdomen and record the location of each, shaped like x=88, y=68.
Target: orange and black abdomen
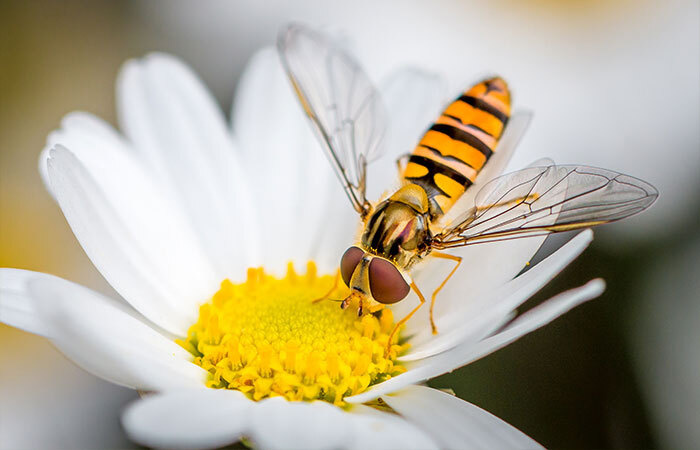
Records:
x=450, y=155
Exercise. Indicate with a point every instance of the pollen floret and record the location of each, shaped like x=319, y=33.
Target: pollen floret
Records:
x=266, y=337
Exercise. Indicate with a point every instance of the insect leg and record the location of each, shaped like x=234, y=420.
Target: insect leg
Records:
x=405, y=319
x=458, y=259
x=333, y=288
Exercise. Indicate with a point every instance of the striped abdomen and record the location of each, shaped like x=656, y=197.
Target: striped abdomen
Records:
x=450, y=155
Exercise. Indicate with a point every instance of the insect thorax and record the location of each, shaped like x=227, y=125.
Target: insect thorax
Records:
x=398, y=230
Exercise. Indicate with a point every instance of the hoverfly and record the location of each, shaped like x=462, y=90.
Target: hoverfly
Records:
x=474, y=137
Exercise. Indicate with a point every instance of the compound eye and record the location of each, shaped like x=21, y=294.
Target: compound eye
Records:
x=348, y=262
x=386, y=282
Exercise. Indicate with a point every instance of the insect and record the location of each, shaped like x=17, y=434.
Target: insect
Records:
x=469, y=143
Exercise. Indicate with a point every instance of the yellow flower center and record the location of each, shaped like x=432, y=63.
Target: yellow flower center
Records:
x=267, y=337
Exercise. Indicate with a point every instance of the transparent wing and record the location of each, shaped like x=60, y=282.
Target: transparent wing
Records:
x=345, y=109
x=542, y=200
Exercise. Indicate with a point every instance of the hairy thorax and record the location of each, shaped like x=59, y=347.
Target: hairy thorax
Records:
x=398, y=229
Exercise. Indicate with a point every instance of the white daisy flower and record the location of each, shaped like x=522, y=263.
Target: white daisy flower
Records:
x=176, y=211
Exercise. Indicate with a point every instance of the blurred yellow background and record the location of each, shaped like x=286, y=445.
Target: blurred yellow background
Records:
x=613, y=84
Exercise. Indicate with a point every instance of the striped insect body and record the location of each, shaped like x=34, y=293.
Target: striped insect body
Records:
x=458, y=145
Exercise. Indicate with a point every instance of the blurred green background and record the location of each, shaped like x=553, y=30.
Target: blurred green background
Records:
x=614, y=84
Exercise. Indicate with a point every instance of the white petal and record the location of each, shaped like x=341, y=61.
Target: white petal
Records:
x=101, y=335
x=176, y=126
x=17, y=307
x=154, y=222
x=276, y=423
x=200, y=418
x=379, y=430
x=93, y=140
x=414, y=98
x=133, y=255
x=305, y=212
x=464, y=354
x=490, y=312
x=454, y=423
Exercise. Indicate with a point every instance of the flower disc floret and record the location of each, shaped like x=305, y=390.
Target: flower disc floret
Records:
x=267, y=337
